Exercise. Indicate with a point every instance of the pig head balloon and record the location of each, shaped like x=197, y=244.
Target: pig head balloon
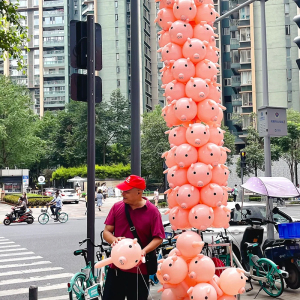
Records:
x=185, y=109
x=183, y=69
x=181, y=31
x=125, y=255
x=208, y=111
x=171, y=198
x=224, y=151
x=168, y=113
x=187, y=196
x=164, y=17
x=165, y=3
x=170, y=157
x=212, y=195
x=207, y=69
x=170, y=52
x=197, y=89
x=166, y=75
x=176, y=176
x=202, y=291
x=185, y=155
x=206, y=12
x=220, y=174
x=197, y=134
x=177, y=136
x=184, y=10
x=201, y=268
x=164, y=38
x=194, y=49
x=168, y=294
x=174, y=90
x=216, y=135
x=212, y=54
x=189, y=244
x=222, y=217
x=178, y=218
x=174, y=269
x=214, y=92
x=209, y=154
x=233, y=281
x=205, y=32
x=199, y=174
x=201, y=216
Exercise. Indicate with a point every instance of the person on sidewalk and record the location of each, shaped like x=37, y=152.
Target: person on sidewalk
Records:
x=99, y=199
x=235, y=192
x=132, y=283
x=156, y=197
x=56, y=204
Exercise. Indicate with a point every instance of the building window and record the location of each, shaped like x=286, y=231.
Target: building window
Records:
x=286, y=8
x=76, y=12
x=227, y=65
x=234, y=34
x=246, y=78
x=226, y=48
x=245, y=13
x=287, y=29
x=117, y=44
x=116, y=17
x=237, y=109
x=226, y=31
x=245, y=56
x=288, y=52
x=117, y=56
x=229, y=116
x=118, y=82
x=116, y=30
x=245, y=34
x=116, y=4
x=235, y=57
x=246, y=121
x=227, y=81
x=247, y=99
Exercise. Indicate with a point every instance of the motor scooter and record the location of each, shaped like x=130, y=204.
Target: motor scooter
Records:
x=25, y=217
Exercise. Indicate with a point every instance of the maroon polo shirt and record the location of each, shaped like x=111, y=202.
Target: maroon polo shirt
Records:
x=147, y=221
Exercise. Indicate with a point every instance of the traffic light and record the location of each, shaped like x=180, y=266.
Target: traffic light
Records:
x=296, y=19
x=243, y=159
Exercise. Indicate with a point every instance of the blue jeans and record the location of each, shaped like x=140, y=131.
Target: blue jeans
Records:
x=56, y=210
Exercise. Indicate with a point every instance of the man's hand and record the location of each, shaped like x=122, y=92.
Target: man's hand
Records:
x=116, y=240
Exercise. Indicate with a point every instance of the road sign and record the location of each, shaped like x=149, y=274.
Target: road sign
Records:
x=41, y=179
x=41, y=183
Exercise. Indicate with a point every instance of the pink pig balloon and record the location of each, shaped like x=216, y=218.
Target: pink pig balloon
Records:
x=183, y=69
x=207, y=69
x=225, y=195
x=197, y=134
x=194, y=49
x=178, y=218
x=181, y=31
x=180, y=290
x=209, y=154
x=214, y=92
x=187, y=196
x=197, y=89
x=174, y=270
x=206, y=12
x=184, y=10
x=185, y=109
x=216, y=135
x=205, y=32
x=220, y=175
x=170, y=157
x=199, y=174
x=174, y=90
x=164, y=38
x=202, y=268
x=125, y=255
x=177, y=136
x=189, y=244
x=202, y=291
x=212, y=54
x=185, y=155
x=166, y=75
x=226, y=297
x=170, y=52
x=201, y=216
x=165, y=3
x=212, y=195
x=223, y=154
x=171, y=198
x=208, y=111
x=222, y=217
x=233, y=281
x=168, y=113
x=164, y=17
x=176, y=176
x=168, y=294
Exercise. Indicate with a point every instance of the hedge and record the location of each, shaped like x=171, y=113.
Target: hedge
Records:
x=32, y=200
x=118, y=171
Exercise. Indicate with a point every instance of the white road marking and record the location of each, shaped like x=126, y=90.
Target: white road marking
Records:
x=9, y=246
x=4, y=240
x=65, y=297
x=38, y=278
x=11, y=250
x=16, y=254
x=46, y=262
x=5, y=243
x=20, y=258
x=10, y=273
x=40, y=289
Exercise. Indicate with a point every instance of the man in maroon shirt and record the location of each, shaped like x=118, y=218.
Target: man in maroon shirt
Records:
x=146, y=218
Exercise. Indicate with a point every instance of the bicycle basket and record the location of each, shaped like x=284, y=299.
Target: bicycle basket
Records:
x=44, y=210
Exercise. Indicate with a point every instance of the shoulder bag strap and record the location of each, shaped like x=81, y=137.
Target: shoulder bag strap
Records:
x=132, y=228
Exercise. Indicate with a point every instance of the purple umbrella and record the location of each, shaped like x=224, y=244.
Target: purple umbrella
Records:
x=272, y=186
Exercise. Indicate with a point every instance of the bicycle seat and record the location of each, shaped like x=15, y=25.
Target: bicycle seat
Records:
x=80, y=251
x=251, y=245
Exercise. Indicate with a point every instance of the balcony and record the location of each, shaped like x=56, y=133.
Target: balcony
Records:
x=235, y=66
x=57, y=63
x=89, y=9
x=47, y=33
x=236, y=100
x=54, y=93
x=51, y=13
x=53, y=43
x=235, y=81
x=233, y=24
x=53, y=3
x=234, y=44
x=53, y=82
x=52, y=74
x=53, y=24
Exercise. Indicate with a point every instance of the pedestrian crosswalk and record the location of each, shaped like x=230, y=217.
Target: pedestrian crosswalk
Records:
x=20, y=268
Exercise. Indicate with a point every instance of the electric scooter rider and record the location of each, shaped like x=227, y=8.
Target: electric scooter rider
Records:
x=57, y=204
x=21, y=208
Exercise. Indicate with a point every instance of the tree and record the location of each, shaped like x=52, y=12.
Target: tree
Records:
x=229, y=142
x=13, y=35
x=154, y=142
x=19, y=145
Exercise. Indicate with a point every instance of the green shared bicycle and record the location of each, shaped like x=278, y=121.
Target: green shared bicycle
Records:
x=45, y=216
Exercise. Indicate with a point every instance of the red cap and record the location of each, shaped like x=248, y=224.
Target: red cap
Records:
x=132, y=181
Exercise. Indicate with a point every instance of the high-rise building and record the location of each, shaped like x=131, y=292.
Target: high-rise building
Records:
x=241, y=61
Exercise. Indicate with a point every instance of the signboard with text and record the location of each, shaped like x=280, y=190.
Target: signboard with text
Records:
x=25, y=180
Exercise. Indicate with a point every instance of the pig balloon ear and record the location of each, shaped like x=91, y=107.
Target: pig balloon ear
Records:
x=174, y=258
x=208, y=290
x=190, y=290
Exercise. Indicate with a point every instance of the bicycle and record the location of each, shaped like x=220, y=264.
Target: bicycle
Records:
x=84, y=285
x=44, y=216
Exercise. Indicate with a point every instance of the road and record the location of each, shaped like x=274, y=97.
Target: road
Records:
x=42, y=255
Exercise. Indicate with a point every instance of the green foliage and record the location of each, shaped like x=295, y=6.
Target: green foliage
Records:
x=154, y=142
x=32, y=201
x=13, y=35
x=229, y=142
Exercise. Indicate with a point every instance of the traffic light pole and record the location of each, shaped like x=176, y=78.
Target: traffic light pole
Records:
x=91, y=139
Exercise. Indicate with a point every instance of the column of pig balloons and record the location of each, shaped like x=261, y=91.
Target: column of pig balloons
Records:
x=197, y=175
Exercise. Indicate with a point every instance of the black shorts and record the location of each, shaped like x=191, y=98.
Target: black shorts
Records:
x=119, y=285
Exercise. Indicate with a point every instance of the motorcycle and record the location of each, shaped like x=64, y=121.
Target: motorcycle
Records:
x=25, y=217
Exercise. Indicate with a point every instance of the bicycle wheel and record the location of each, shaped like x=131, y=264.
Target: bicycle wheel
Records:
x=274, y=286
x=43, y=219
x=77, y=287
x=63, y=217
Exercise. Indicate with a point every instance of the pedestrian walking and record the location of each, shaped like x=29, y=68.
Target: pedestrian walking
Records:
x=104, y=190
x=235, y=192
x=99, y=199
x=156, y=197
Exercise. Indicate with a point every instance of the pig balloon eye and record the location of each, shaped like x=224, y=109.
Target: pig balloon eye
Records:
x=209, y=67
x=190, y=45
x=196, y=217
x=207, y=28
x=192, y=297
x=130, y=246
x=170, y=265
x=184, y=25
x=187, y=106
x=136, y=261
x=194, y=85
x=215, y=194
x=177, y=7
x=167, y=51
x=173, y=67
x=225, y=173
x=160, y=20
x=177, y=195
x=172, y=27
x=194, y=173
x=190, y=8
x=202, y=47
x=206, y=85
x=211, y=13
x=172, y=175
x=189, y=195
x=228, y=217
x=171, y=88
x=174, y=134
x=212, y=108
x=185, y=65
x=211, y=154
x=206, y=297
x=196, y=261
x=192, y=131
x=204, y=132
x=209, y=217
x=207, y=173
x=186, y=155
x=241, y=277
x=173, y=218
